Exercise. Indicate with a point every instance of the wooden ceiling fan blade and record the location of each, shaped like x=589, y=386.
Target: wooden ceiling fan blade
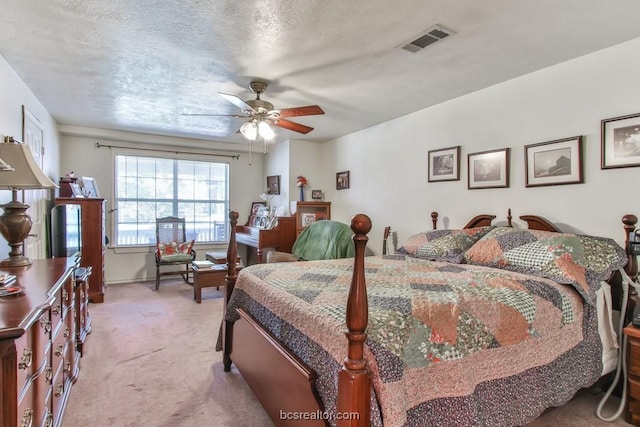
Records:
x=237, y=102
x=309, y=110
x=297, y=127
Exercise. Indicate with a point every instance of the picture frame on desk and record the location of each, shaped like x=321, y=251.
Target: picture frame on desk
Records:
x=76, y=191
x=307, y=219
x=257, y=207
x=90, y=187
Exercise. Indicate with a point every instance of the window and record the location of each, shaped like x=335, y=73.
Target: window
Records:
x=147, y=188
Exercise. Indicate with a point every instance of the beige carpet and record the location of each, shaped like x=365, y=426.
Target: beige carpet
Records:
x=150, y=362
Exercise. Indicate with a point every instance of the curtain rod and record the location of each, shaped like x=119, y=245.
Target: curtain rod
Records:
x=233, y=156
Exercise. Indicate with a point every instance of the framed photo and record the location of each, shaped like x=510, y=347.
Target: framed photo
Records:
x=621, y=142
x=257, y=208
x=444, y=164
x=76, y=190
x=488, y=169
x=342, y=180
x=554, y=162
x=316, y=194
x=308, y=219
x=273, y=184
x=90, y=187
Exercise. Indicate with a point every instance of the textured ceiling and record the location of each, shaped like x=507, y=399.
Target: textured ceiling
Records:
x=138, y=65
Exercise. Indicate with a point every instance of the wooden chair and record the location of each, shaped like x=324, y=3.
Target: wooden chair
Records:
x=172, y=249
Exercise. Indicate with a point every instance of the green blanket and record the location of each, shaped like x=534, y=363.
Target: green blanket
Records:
x=325, y=240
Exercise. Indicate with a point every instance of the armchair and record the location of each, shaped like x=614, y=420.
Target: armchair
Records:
x=324, y=239
x=172, y=249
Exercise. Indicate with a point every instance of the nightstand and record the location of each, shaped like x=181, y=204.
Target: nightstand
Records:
x=633, y=374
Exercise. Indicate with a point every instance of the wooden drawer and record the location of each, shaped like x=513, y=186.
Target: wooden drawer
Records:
x=634, y=388
x=31, y=350
x=27, y=413
x=634, y=356
x=60, y=385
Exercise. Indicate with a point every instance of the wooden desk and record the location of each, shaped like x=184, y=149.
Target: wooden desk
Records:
x=256, y=240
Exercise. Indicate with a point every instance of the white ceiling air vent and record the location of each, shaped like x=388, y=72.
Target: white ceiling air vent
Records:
x=429, y=37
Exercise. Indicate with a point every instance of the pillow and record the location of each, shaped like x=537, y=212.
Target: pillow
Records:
x=175, y=250
x=443, y=245
x=578, y=260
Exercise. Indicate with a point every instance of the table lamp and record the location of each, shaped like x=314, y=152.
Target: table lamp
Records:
x=18, y=171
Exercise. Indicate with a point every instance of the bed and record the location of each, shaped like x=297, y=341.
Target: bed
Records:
x=424, y=345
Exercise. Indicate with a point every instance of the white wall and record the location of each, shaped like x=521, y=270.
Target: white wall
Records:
x=81, y=156
x=14, y=94
x=388, y=162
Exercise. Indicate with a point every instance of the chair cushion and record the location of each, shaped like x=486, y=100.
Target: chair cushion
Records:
x=175, y=252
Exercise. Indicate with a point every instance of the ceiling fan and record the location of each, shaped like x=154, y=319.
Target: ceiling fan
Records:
x=261, y=114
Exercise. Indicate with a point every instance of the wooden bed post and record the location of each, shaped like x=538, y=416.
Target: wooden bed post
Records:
x=354, y=379
x=434, y=219
x=230, y=282
x=631, y=268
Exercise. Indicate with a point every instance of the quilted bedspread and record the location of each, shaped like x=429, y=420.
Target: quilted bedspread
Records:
x=448, y=344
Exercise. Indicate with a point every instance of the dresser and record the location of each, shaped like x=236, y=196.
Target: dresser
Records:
x=93, y=242
x=39, y=357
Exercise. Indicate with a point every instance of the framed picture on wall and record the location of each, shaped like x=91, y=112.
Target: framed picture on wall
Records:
x=554, y=162
x=342, y=180
x=620, y=142
x=273, y=184
x=488, y=169
x=444, y=164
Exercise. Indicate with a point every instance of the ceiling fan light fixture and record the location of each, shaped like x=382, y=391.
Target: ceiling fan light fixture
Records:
x=249, y=130
x=265, y=131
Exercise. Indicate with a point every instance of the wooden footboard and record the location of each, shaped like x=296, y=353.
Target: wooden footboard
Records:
x=280, y=381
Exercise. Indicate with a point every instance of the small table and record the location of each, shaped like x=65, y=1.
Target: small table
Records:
x=207, y=278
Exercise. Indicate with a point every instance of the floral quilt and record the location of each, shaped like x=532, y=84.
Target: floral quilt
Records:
x=448, y=344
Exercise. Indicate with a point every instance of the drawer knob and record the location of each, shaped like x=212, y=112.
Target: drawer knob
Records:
x=59, y=390
x=27, y=418
x=66, y=332
x=25, y=360
x=48, y=374
x=59, y=349
x=56, y=309
x=46, y=324
x=49, y=421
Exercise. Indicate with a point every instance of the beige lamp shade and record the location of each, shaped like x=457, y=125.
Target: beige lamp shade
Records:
x=26, y=173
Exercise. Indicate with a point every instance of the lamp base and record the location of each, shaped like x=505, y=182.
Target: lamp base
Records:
x=15, y=226
x=15, y=261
